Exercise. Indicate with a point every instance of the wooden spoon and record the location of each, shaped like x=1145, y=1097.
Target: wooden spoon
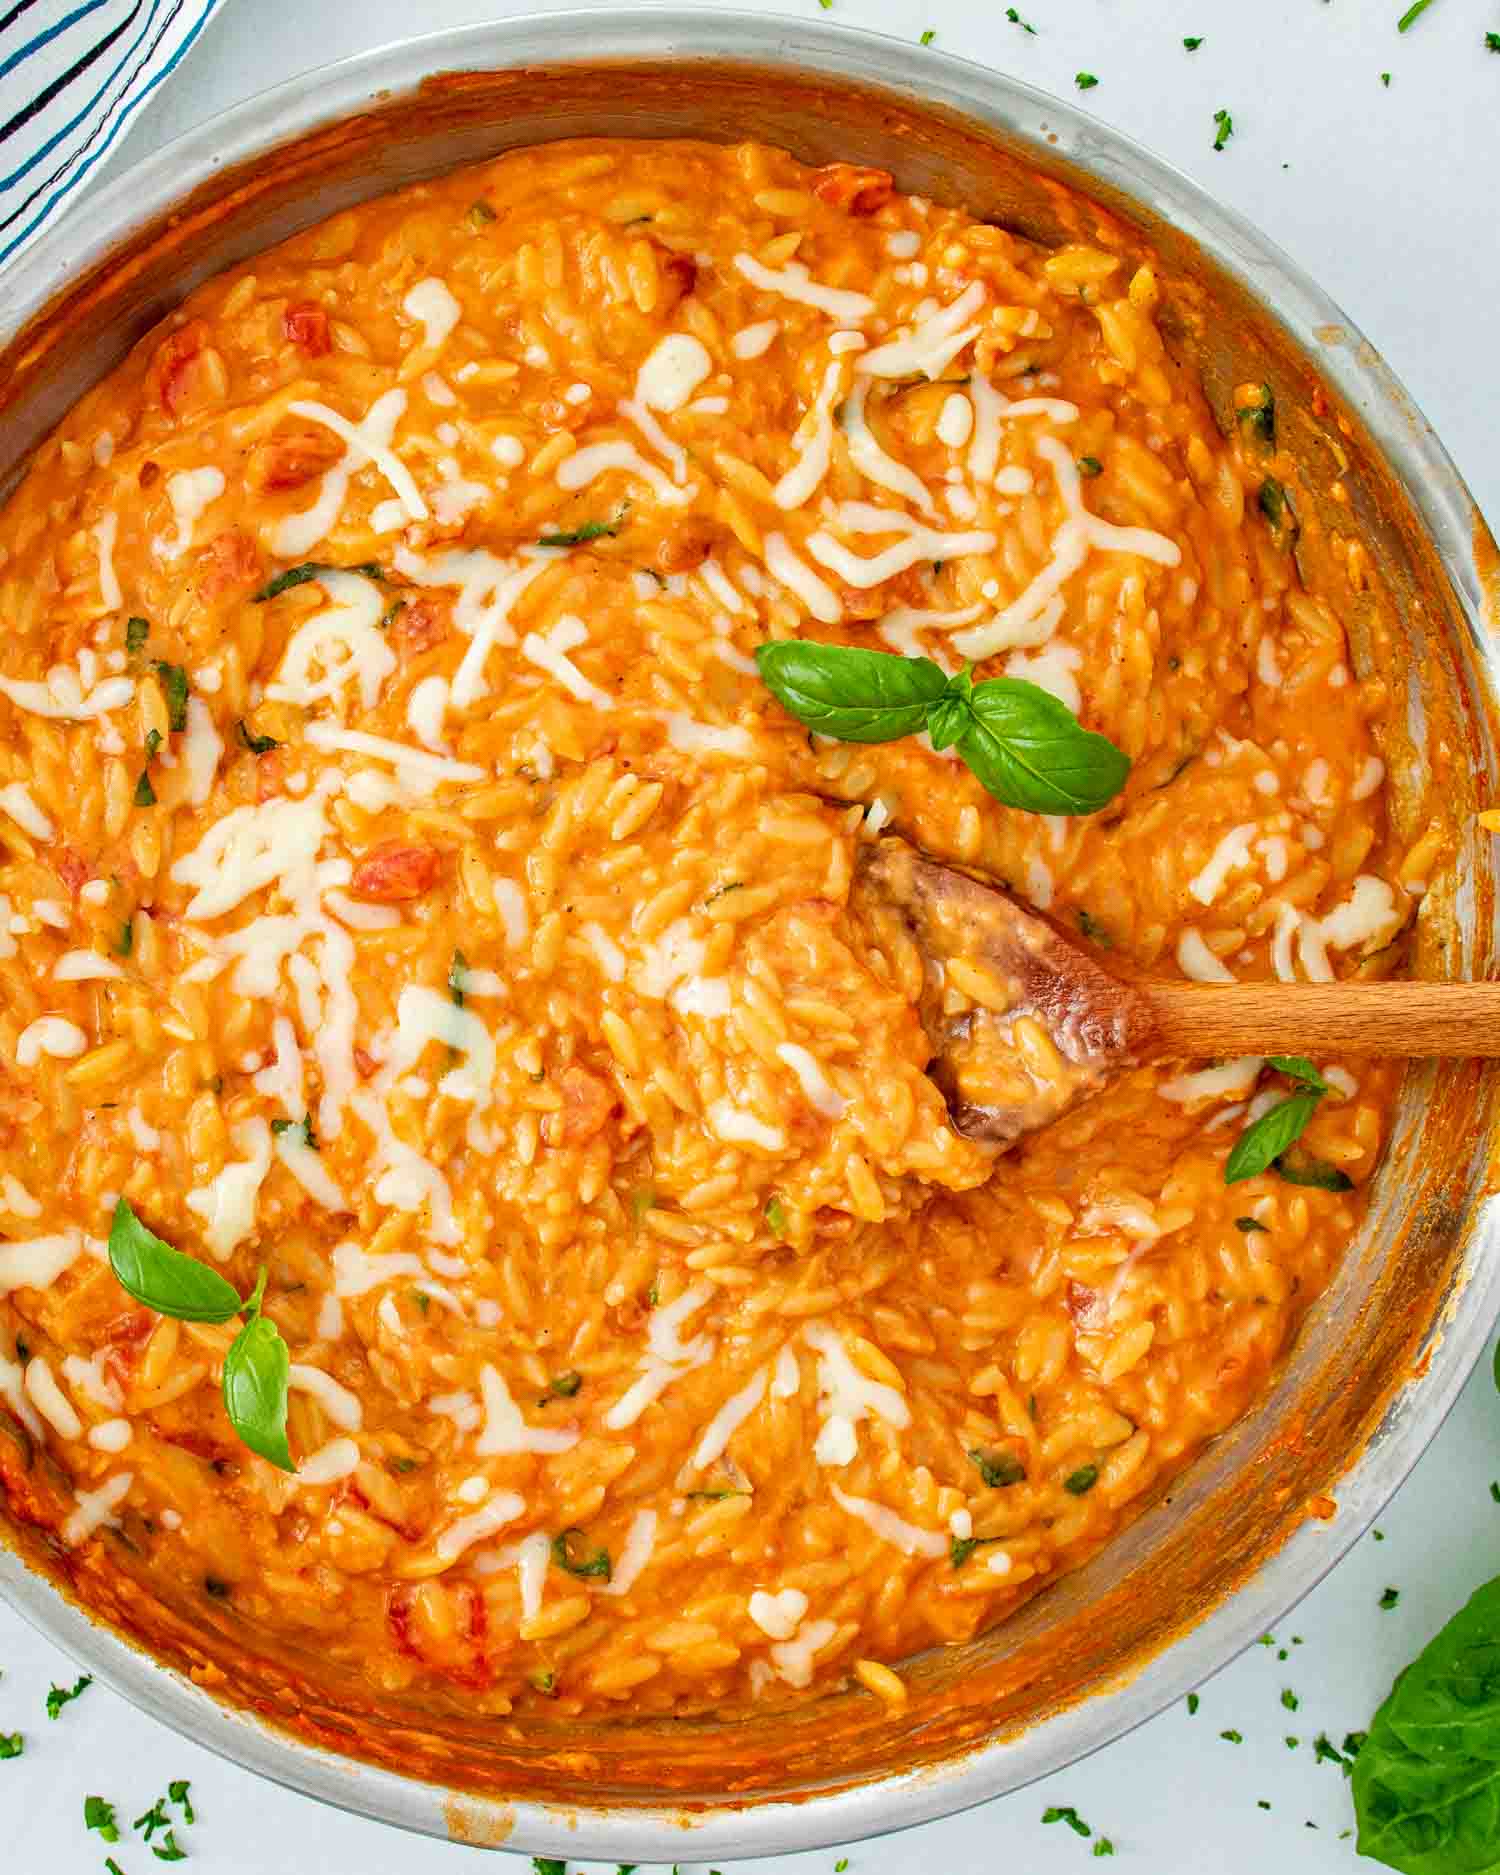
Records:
x=1024, y=1024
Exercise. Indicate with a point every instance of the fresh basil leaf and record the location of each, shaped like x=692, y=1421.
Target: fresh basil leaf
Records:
x=850, y=693
x=1426, y=1779
x=163, y=1278
x=1031, y=752
x=947, y=721
x=255, y=1387
x=1264, y=1142
x=1302, y=1168
x=1300, y=1069
x=569, y=1552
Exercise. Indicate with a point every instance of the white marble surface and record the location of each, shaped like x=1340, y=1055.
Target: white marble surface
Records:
x=1386, y=196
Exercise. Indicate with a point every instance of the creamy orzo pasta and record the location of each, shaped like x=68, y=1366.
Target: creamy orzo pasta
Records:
x=411, y=888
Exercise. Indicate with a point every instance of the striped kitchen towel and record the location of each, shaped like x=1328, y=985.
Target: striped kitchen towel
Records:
x=73, y=75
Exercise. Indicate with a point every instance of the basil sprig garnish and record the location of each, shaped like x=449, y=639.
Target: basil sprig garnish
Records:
x=1265, y=1145
x=256, y=1370
x=257, y=1365
x=1027, y=749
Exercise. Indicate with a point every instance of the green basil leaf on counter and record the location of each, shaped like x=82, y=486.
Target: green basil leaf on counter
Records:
x=163, y=1278
x=1426, y=1780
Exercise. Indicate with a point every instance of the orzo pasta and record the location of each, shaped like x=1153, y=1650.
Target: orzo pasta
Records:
x=410, y=887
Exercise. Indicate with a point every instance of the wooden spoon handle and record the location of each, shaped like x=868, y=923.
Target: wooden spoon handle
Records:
x=1389, y=1018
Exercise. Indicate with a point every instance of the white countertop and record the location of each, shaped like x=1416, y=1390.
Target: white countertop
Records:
x=1386, y=196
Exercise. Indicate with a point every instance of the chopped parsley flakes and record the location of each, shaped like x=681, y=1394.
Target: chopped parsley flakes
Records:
x=1289, y=1699
x=12, y=1744
x=1015, y=19
x=99, y=1815
x=1232, y=1737
x=1065, y=1813
x=60, y=1696
x=928, y=36
x=155, y=1818
x=1193, y=1703
x=1225, y=129
x=1085, y=81
x=1390, y=1598
x=1412, y=14
x=257, y=745
x=1193, y=43
x=174, y=688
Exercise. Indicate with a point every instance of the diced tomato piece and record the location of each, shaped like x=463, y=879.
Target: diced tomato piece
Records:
x=679, y=276
x=305, y=324
x=71, y=868
x=270, y=775
x=685, y=545
x=230, y=560
x=396, y=871
x=291, y=458
x=588, y=1102
x=860, y=191
x=1082, y=1303
x=175, y=366
x=421, y=625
